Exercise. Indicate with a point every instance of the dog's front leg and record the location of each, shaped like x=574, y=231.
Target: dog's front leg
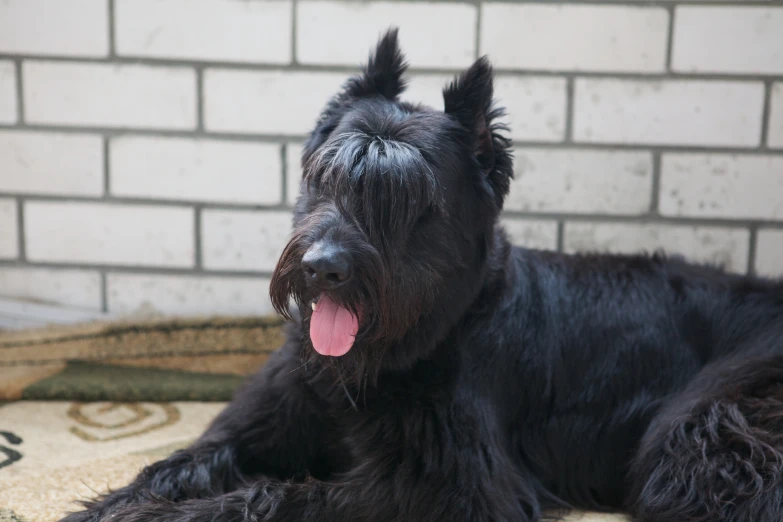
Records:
x=273, y=428
x=376, y=493
x=436, y=464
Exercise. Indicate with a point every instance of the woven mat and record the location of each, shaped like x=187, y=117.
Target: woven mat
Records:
x=105, y=400
x=197, y=359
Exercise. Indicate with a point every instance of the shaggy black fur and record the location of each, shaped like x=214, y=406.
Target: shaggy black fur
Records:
x=486, y=383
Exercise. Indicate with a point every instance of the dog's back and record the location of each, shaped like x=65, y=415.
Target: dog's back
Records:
x=587, y=349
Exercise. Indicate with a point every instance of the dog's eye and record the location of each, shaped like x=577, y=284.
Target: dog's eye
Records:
x=426, y=216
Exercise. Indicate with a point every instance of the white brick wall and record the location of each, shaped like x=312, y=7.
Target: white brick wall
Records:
x=150, y=149
x=293, y=160
x=100, y=233
x=187, y=295
x=195, y=170
x=744, y=40
x=532, y=233
x=575, y=37
x=581, y=181
x=243, y=240
x=427, y=89
x=722, y=186
x=79, y=288
x=705, y=113
x=109, y=95
x=54, y=27
x=725, y=247
x=7, y=92
x=776, y=116
x=769, y=253
x=221, y=30
x=267, y=102
x=9, y=236
x=536, y=106
x=328, y=32
x=51, y=163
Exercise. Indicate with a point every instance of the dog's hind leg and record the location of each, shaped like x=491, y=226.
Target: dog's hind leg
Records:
x=715, y=452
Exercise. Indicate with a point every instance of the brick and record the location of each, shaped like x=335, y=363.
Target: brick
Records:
x=187, y=295
x=243, y=240
x=769, y=253
x=109, y=95
x=343, y=33
x=575, y=37
x=54, y=27
x=775, y=136
x=722, y=186
x=7, y=92
x=9, y=238
x=105, y=234
x=268, y=102
x=728, y=39
x=726, y=247
x=581, y=181
x=214, y=30
x=51, y=163
x=293, y=160
x=196, y=169
x=77, y=288
x=534, y=234
x=673, y=112
x=536, y=106
x=427, y=89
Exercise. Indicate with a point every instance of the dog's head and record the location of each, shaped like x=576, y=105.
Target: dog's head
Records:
x=395, y=215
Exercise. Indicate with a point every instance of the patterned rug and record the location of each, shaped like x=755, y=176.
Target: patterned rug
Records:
x=85, y=408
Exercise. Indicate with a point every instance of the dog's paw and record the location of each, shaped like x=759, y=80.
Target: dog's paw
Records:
x=88, y=515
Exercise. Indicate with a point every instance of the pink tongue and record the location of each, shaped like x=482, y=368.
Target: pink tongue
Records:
x=332, y=328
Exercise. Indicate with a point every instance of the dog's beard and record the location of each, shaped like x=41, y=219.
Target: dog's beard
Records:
x=385, y=306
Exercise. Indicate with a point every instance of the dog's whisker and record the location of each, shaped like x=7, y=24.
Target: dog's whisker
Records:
x=303, y=365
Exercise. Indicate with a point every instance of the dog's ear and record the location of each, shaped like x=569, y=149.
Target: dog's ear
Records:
x=384, y=71
x=469, y=99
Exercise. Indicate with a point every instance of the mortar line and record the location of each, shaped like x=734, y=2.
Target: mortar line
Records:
x=284, y=173
x=569, y=122
x=106, y=168
x=199, y=99
x=112, y=37
x=146, y=202
x=21, y=243
x=671, y=9
x=104, y=293
x=560, y=235
x=134, y=269
x=751, y=269
x=199, y=263
x=656, y=183
x=479, y=13
x=20, y=116
x=349, y=69
x=766, y=115
x=294, y=31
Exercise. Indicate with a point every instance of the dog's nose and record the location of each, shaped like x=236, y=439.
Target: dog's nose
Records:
x=327, y=266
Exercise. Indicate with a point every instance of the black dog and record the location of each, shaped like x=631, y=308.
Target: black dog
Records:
x=442, y=375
